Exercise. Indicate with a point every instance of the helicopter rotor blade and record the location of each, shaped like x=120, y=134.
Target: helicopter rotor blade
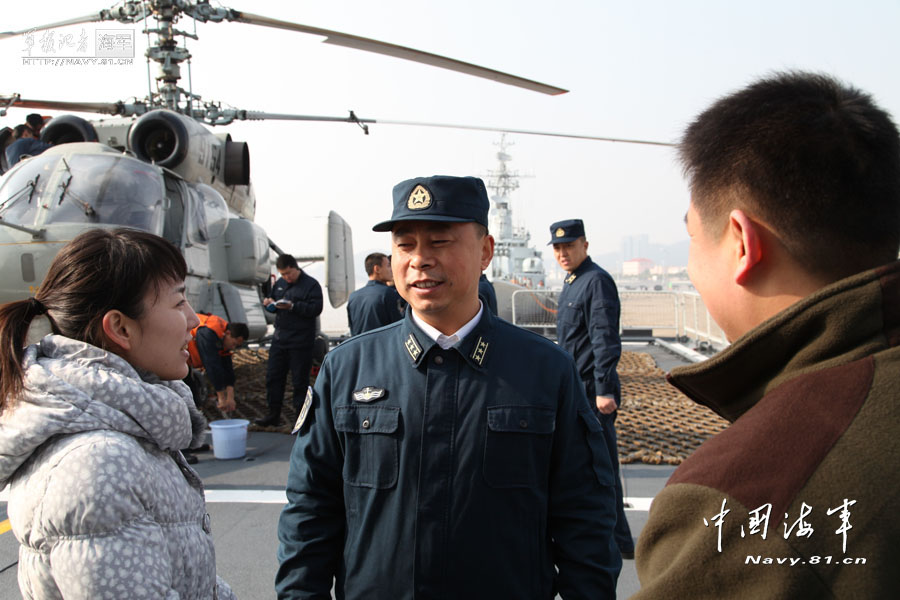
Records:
x=378, y=47
x=577, y=136
x=110, y=108
x=364, y=122
x=73, y=21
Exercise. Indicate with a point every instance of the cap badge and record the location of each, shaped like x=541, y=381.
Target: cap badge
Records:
x=419, y=198
x=560, y=232
x=368, y=393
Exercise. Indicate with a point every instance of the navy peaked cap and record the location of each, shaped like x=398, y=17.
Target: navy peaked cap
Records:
x=569, y=230
x=439, y=198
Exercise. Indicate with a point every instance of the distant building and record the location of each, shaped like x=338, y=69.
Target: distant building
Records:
x=634, y=246
x=659, y=270
x=636, y=267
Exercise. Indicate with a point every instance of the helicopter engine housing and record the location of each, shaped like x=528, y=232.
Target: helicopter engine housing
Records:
x=181, y=144
x=68, y=128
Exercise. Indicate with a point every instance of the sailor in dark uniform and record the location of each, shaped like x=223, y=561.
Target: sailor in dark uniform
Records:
x=588, y=329
x=376, y=304
x=450, y=454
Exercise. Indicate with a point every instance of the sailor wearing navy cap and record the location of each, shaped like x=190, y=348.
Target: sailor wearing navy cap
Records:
x=450, y=454
x=587, y=327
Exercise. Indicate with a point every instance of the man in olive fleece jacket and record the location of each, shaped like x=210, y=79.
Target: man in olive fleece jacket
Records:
x=795, y=228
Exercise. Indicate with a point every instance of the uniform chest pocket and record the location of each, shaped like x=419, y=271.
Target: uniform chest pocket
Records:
x=371, y=448
x=518, y=445
x=571, y=312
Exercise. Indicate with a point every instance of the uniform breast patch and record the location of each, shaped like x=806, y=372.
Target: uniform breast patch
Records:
x=368, y=393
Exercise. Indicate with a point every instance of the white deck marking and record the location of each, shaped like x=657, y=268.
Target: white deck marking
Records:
x=250, y=496
x=638, y=503
x=246, y=496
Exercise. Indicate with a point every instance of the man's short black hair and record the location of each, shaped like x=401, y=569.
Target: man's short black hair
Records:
x=238, y=330
x=285, y=261
x=35, y=121
x=813, y=158
x=374, y=260
x=18, y=130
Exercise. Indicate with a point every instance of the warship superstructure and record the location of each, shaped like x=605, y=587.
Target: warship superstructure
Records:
x=515, y=260
x=517, y=270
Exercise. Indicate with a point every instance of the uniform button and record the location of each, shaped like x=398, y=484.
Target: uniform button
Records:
x=366, y=424
x=523, y=424
x=438, y=360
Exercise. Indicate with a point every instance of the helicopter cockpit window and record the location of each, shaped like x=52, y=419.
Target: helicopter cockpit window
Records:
x=208, y=214
x=105, y=188
x=24, y=189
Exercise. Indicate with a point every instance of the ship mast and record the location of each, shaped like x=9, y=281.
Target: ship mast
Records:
x=503, y=181
x=515, y=260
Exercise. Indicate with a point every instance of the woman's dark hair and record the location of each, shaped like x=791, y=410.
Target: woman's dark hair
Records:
x=98, y=271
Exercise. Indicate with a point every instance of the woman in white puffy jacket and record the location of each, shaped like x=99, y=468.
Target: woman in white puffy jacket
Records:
x=92, y=418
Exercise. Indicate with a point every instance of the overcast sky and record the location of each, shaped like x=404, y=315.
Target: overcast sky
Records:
x=635, y=69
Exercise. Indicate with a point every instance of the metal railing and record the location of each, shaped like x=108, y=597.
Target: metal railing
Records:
x=657, y=314
x=697, y=323
x=534, y=308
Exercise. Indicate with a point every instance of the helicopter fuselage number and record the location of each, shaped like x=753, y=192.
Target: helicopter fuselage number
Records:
x=209, y=156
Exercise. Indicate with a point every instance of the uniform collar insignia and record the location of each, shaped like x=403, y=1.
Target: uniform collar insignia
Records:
x=413, y=347
x=304, y=411
x=474, y=347
x=571, y=278
x=368, y=393
x=480, y=351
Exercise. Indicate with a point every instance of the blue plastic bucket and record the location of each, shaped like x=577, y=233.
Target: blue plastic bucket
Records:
x=229, y=438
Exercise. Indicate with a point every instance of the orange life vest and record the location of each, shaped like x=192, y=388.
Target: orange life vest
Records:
x=218, y=325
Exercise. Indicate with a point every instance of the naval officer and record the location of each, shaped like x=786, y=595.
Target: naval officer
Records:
x=450, y=454
x=587, y=327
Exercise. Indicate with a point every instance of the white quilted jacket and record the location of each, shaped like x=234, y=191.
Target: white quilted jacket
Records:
x=101, y=500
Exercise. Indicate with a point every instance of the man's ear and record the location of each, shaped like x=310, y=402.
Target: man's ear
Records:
x=119, y=329
x=487, y=251
x=747, y=239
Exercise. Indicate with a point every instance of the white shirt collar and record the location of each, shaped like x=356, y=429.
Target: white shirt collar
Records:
x=448, y=341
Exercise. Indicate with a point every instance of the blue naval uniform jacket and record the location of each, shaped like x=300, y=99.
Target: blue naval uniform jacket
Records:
x=587, y=327
x=487, y=294
x=372, y=306
x=296, y=328
x=463, y=473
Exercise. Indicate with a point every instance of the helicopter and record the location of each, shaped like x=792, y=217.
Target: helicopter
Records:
x=156, y=165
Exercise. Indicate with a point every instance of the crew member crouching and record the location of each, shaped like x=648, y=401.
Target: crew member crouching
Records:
x=211, y=349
